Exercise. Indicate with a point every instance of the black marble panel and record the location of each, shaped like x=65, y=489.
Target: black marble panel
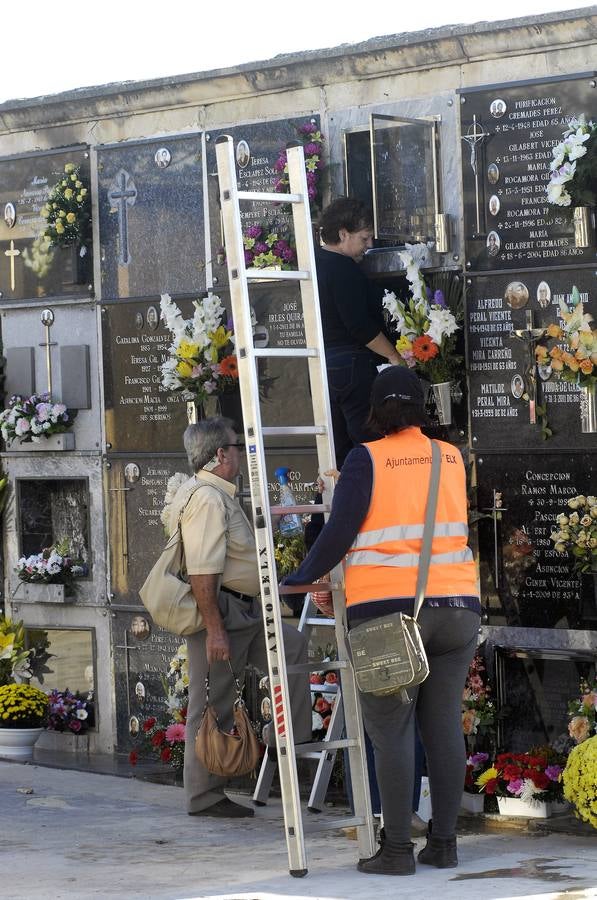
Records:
x=142, y=655
x=26, y=272
x=140, y=414
x=151, y=218
x=524, y=582
x=533, y=691
x=498, y=363
x=521, y=124
x=257, y=147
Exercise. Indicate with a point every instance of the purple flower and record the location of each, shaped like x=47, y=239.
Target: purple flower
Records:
x=260, y=247
x=288, y=254
x=553, y=772
x=254, y=231
x=438, y=299
x=311, y=149
x=248, y=257
x=280, y=163
x=515, y=786
x=307, y=128
x=312, y=178
x=75, y=725
x=312, y=192
x=280, y=184
x=478, y=758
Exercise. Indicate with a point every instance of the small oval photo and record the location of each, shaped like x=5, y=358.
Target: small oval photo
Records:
x=10, y=215
x=140, y=628
x=493, y=243
x=152, y=318
x=543, y=294
x=493, y=173
x=132, y=472
x=134, y=726
x=517, y=386
x=494, y=205
x=497, y=108
x=162, y=158
x=140, y=691
x=243, y=154
x=516, y=295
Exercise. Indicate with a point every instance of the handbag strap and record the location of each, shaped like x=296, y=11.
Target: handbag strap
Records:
x=428, y=528
x=239, y=691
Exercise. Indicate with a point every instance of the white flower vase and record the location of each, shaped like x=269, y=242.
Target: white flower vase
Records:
x=534, y=809
x=588, y=410
x=17, y=743
x=443, y=401
x=472, y=803
x=583, y=226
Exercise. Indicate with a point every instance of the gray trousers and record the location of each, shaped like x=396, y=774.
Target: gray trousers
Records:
x=450, y=639
x=244, y=623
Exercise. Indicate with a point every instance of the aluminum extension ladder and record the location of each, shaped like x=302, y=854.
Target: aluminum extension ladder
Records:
x=247, y=355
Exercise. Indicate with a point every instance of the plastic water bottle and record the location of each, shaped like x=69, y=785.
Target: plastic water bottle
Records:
x=289, y=524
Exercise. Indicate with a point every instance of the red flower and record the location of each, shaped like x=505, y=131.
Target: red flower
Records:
x=133, y=757
x=148, y=724
x=158, y=738
x=540, y=780
x=424, y=348
x=229, y=366
x=166, y=754
x=491, y=785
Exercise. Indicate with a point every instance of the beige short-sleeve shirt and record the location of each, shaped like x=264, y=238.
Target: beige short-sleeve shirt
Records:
x=217, y=536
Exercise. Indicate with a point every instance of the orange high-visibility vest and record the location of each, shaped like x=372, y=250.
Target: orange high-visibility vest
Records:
x=383, y=560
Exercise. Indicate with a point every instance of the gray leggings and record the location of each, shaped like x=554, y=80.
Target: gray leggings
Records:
x=450, y=639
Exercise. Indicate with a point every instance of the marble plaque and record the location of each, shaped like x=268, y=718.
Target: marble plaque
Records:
x=257, y=148
x=508, y=222
x=498, y=363
x=140, y=414
x=27, y=270
x=533, y=691
x=524, y=582
x=151, y=218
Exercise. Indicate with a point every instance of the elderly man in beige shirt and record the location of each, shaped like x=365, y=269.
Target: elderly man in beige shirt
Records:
x=221, y=562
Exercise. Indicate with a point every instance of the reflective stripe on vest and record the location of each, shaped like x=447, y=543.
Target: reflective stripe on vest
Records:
x=377, y=558
x=406, y=532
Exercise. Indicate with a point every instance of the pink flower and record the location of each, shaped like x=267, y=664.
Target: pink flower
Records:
x=515, y=786
x=176, y=732
x=553, y=772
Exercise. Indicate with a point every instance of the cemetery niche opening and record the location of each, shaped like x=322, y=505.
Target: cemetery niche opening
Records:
x=51, y=511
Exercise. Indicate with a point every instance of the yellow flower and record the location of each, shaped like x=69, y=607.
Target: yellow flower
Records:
x=59, y=228
x=70, y=218
x=403, y=343
x=65, y=183
x=187, y=350
x=62, y=213
x=73, y=178
x=6, y=645
x=69, y=167
x=84, y=191
x=68, y=193
x=78, y=184
x=79, y=198
x=184, y=369
x=486, y=776
x=220, y=337
x=54, y=206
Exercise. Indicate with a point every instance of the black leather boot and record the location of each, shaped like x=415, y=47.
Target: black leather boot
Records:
x=439, y=852
x=390, y=860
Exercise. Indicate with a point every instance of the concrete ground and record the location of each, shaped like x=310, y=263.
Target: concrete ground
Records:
x=76, y=834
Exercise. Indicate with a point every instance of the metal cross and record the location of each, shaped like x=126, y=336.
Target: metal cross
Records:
x=530, y=336
x=474, y=137
x=11, y=254
x=47, y=320
x=124, y=193
x=496, y=511
x=126, y=647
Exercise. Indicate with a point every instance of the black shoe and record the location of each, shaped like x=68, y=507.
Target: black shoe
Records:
x=397, y=860
x=439, y=852
x=225, y=809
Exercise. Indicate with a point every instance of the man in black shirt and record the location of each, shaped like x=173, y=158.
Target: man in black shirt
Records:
x=352, y=320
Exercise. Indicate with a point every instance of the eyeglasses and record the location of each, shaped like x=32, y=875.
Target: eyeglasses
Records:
x=240, y=446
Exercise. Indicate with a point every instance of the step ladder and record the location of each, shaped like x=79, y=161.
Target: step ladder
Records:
x=325, y=758
x=240, y=278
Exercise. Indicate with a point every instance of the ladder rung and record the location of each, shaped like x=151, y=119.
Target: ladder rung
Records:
x=303, y=588
x=312, y=825
x=322, y=621
x=317, y=664
x=318, y=746
x=270, y=198
x=277, y=275
x=300, y=508
x=281, y=431
x=297, y=352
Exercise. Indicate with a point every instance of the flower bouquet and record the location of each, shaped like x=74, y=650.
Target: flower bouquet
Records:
x=69, y=712
x=533, y=777
x=53, y=565
x=264, y=248
x=580, y=778
x=14, y=658
x=426, y=327
x=22, y=706
x=583, y=713
x=67, y=210
x=201, y=362
x=31, y=418
x=166, y=738
x=478, y=709
x=312, y=140
x=576, y=533
x=574, y=358
x=573, y=180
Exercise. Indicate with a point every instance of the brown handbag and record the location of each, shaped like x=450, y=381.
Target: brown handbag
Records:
x=223, y=753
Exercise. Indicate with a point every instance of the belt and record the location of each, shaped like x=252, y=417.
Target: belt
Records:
x=238, y=595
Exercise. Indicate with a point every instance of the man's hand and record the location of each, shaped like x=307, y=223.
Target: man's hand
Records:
x=217, y=645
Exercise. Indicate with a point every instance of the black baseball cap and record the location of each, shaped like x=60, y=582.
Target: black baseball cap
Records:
x=398, y=382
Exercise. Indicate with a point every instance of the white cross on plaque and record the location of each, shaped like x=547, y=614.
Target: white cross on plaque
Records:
x=124, y=193
x=11, y=255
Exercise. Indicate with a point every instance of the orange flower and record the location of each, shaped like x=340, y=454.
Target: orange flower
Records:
x=229, y=367
x=554, y=330
x=556, y=353
x=586, y=366
x=424, y=348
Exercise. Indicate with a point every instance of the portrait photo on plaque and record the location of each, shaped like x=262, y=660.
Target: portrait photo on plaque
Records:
x=10, y=215
x=493, y=173
x=543, y=294
x=516, y=295
x=162, y=157
x=134, y=727
x=140, y=628
x=493, y=243
x=243, y=154
x=494, y=204
x=497, y=108
x=153, y=318
x=517, y=386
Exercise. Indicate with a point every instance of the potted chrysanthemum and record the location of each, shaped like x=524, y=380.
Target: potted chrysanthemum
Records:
x=23, y=713
x=579, y=779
